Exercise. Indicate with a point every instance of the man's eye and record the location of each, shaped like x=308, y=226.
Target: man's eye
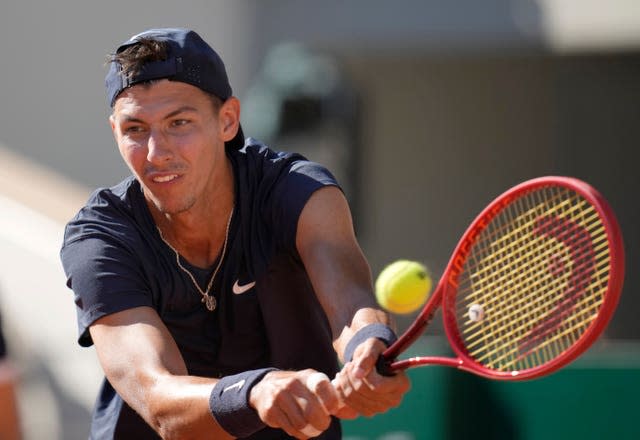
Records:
x=133, y=129
x=180, y=122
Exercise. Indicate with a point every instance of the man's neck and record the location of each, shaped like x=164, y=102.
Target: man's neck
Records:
x=199, y=233
x=200, y=243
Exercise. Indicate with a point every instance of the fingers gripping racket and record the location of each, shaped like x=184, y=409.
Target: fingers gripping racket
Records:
x=530, y=286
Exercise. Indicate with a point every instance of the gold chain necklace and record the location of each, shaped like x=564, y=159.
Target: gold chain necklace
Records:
x=208, y=300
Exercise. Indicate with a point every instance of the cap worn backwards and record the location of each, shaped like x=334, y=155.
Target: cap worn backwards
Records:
x=189, y=59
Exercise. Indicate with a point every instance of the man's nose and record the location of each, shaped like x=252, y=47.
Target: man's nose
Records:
x=159, y=150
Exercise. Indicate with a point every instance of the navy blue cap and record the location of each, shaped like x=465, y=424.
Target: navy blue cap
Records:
x=189, y=59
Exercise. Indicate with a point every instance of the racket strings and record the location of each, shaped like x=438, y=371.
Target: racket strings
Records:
x=504, y=254
x=551, y=324
x=524, y=320
x=508, y=358
x=539, y=271
x=501, y=237
x=529, y=279
x=505, y=279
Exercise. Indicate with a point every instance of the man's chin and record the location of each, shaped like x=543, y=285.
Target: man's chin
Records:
x=168, y=208
x=171, y=209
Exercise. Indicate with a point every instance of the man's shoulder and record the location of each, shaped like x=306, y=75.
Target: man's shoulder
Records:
x=119, y=193
x=261, y=153
x=115, y=210
x=122, y=196
x=262, y=164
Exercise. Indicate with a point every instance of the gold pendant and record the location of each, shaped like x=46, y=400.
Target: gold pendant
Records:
x=210, y=302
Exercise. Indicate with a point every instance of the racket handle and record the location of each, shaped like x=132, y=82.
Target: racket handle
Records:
x=383, y=366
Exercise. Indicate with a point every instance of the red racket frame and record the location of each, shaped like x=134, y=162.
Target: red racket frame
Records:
x=447, y=286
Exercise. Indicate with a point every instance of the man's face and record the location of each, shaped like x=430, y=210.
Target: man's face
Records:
x=169, y=135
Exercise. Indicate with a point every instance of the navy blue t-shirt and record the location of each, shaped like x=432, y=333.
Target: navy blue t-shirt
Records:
x=114, y=260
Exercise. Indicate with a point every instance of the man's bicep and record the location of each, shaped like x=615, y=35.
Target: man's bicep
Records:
x=134, y=346
x=106, y=278
x=144, y=365
x=336, y=265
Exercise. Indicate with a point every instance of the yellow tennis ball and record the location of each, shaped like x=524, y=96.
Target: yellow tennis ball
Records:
x=403, y=286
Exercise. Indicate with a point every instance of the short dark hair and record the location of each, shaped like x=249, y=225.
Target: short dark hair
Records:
x=133, y=58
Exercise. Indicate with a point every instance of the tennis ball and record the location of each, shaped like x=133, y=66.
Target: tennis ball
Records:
x=403, y=286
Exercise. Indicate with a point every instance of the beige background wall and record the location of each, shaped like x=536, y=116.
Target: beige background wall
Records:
x=444, y=135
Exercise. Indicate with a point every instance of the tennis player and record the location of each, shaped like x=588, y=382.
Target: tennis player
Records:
x=222, y=281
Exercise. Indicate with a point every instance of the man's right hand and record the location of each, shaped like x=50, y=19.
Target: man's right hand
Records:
x=299, y=402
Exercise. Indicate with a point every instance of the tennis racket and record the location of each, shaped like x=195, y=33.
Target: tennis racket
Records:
x=530, y=286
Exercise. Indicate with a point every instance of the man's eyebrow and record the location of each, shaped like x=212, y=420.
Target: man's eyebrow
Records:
x=183, y=109
x=127, y=118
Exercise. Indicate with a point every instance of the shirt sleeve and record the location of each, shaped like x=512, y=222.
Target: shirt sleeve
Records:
x=293, y=190
x=106, y=277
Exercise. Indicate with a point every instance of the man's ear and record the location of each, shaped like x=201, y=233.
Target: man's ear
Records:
x=229, y=118
x=112, y=122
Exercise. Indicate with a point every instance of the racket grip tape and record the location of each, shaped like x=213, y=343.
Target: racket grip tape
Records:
x=383, y=366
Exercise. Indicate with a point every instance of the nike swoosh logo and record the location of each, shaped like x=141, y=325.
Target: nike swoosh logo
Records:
x=237, y=385
x=240, y=289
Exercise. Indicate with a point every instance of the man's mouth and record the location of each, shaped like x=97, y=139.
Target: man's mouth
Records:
x=164, y=179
